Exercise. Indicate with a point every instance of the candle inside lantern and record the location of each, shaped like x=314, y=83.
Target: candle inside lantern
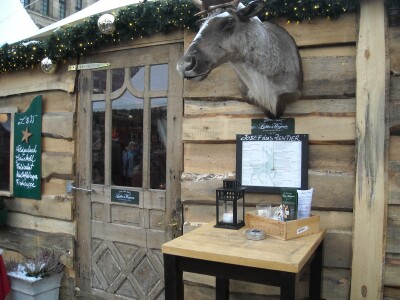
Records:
x=227, y=217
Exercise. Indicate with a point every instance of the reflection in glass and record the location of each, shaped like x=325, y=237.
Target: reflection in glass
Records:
x=158, y=144
x=137, y=78
x=117, y=79
x=5, y=127
x=99, y=82
x=127, y=141
x=98, y=139
x=159, y=77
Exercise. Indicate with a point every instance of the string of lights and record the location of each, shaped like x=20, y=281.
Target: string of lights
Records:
x=144, y=19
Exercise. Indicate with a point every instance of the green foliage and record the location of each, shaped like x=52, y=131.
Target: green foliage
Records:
x=144, y=19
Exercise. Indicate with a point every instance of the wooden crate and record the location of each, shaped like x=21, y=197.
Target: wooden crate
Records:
x=283, y=230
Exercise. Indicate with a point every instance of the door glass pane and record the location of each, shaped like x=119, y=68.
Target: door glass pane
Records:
x=117, y=79
x=159, y=77
x=158, y=156
x=137, y=78
x=127, y=141
x=98, y=139
x=99, y=82
x=5, y=127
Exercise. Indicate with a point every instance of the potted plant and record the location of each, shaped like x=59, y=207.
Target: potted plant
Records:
x=37, y=278
x=3, y=213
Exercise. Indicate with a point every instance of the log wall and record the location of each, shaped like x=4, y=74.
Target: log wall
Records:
x=48, y=223
x=214, y=114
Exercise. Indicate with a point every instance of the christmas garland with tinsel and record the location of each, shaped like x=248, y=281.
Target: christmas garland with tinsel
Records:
x=145, y=19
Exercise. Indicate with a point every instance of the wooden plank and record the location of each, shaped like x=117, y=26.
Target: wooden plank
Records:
x=326, y=77
x=331, y=191
x=54, y=186
x=57, y=145
x=392, y=272
x=27, y=242
x=394, y=182
x=320, y=127
x=318, y=31
x=391, y=293
x=338, y=249
x=58, y=125
x=57, y=207
x=315, y=32
x=53, y=101
x=239, y=107
x=221, y=158
x=24, y=221
x=372, y=140
x=393, y=230
x=394, y=48
x=36, y=80
x=394, y=146
x=57, y=164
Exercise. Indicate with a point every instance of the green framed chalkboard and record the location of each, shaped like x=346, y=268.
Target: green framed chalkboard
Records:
x=28, y=151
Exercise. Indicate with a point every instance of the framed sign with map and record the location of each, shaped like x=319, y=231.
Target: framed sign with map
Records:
x=266, y=163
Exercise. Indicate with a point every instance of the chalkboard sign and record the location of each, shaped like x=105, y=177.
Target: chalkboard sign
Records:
x=267, y=163
x=125, y=196
x=269, y=126
x=28, y=151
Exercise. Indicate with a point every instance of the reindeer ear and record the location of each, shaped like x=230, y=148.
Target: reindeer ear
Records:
x=252, y=9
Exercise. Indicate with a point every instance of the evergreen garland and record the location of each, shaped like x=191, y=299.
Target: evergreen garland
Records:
x=145, y=19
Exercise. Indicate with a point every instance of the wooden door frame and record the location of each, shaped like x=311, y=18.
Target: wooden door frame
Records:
x=174, y=166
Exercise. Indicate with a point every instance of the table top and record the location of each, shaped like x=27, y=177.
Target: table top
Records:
x=231, y=246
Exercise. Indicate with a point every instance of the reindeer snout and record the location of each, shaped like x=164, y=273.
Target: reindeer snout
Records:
x=186, y=64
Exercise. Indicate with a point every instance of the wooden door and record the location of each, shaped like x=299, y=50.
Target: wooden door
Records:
x=130, y=161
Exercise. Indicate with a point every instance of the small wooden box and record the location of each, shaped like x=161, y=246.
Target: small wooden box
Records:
x=283, y=230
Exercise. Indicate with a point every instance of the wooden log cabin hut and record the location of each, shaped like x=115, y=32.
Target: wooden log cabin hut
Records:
x=128, y=154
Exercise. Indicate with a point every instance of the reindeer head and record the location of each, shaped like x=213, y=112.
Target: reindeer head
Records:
x=264, y=56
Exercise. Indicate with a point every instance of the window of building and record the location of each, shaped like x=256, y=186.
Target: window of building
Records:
x=6, y=142
x=62, y=9
x=78, y=5
x=44, y=7
x=25, y=2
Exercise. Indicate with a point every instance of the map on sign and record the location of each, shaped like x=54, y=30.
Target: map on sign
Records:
x=267, y=163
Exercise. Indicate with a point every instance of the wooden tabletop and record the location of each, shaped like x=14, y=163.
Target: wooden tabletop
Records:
x=232, y=247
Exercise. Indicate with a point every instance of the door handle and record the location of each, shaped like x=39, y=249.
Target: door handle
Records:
x=70, y=187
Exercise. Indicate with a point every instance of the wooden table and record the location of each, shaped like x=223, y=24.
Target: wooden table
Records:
x=227, y=254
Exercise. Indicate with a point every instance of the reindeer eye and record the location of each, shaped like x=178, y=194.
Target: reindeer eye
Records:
x=228, y=25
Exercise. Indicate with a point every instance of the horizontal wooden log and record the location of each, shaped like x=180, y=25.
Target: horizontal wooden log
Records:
x=239, y=107
x=54, y=186
x=57, y=145
x=53, y=101
x=393, y=230
x=221, y=158
x=337, y=249
x=391, y=293
x=393, y=112
x=58, y=165
x=391, y=273
x=335, y=285
x=323, y=77
x=58, y=125
x=315, y=32
x=197, y=213
x=28, y=242
x=331, y=190
x=394, y=48
x=321, y=128
x=43, y=224
x=394, y=182
x=318, y=31
x=56, y=207
x=36, y=80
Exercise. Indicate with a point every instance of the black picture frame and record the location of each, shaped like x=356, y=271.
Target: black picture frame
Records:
x=266, y=163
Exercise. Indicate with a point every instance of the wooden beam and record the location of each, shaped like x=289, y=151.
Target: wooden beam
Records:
x=371, y=191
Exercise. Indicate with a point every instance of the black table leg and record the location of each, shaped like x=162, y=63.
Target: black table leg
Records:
x=289, y=286
x=173, y=277
x=316, y=274
x=222, y=288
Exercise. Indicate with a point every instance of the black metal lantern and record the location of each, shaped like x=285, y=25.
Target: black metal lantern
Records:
x=230, y=205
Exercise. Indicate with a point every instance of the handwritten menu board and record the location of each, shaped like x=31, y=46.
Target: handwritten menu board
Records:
x=28, y=151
